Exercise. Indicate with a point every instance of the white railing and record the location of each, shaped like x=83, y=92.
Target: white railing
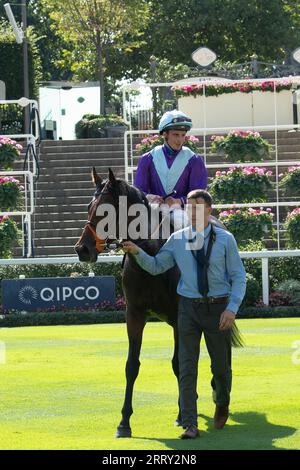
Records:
x=130, y=167
x=29, y=174
x=264, y=255
x=28, y=206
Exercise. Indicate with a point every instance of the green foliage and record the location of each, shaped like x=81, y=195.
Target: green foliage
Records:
x=248, y=224
x=95, y=30
x=292, y=226
x=61, y=318
x=291, y=289
x=177, y=27
x=11, y=119
x=240, y=185
x=290, y=183
x=10, y=194
x=240, y=146
x=269, y=312
x=89, y=125
x=253, y=291
x=9, y=236
x=282, y=269
x=11, y=62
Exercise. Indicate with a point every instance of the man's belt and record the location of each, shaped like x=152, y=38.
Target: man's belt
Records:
x=211, y=300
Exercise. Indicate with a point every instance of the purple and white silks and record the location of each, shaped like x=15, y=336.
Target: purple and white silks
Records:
x=192, y=173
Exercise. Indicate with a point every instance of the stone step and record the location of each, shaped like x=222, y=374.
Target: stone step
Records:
x=49, y=252
x=56, y=233
x=59, y=225
x=52, y=241
x=62, y=192
x=84, y=162
x=79, y=176
x=56, y=216
x=63, y=201
x=75, y=149
x=82, y=142
x=68, y=185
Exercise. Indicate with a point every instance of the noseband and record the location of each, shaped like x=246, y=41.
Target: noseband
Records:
x=100, y=244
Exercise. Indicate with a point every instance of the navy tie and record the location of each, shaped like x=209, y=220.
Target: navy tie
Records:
x=201, y=261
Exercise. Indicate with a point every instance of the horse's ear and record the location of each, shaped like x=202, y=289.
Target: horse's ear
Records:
x=111, y=176
x=95, y=177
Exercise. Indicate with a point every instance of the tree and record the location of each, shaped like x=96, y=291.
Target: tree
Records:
x=234, y=29
x=95, y=28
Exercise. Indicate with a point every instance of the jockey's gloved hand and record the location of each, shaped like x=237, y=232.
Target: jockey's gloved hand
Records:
x=171, y=201
x=154, y=199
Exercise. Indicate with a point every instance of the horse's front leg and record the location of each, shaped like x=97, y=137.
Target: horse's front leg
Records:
x=135, y=327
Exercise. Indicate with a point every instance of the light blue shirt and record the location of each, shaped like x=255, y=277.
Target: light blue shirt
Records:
x=226, y=273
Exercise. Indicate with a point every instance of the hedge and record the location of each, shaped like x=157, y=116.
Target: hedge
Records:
x=79, y=318
x=269, y=312
x=11, y=62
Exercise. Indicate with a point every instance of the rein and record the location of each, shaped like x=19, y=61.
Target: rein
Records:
x=101, y=244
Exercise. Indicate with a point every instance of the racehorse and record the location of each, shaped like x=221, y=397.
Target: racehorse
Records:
x=145, y=295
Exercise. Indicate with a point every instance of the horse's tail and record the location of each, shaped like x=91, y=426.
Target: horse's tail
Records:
x=237, y=340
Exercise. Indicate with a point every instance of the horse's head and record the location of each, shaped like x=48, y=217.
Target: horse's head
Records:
x=106, y=197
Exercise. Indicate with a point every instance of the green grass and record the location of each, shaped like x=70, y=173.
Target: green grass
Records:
x=62, y=387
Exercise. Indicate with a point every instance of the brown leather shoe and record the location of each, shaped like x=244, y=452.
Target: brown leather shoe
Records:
x=221, y=416
x=191, y=432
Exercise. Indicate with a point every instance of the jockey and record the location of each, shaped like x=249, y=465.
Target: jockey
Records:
x=171, y=167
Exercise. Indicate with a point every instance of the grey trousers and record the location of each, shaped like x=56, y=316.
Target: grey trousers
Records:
x=193, y=320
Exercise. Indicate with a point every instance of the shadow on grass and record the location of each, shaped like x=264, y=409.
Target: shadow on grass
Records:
x=252, y=431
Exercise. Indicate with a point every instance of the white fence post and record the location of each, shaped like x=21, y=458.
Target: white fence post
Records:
x=265, y=280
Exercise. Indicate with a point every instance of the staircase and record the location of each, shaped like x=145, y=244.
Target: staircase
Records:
x=65, y=188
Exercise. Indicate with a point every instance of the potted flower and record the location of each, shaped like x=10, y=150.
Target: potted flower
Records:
x=151, y=141
x=10, y=193
x=240, y=146
x=248, y=184
x=292, y=226
x=290, y=182
x=97, y=126
x=248, y=224
x=220, y=88
x=9, y=150
x=9, y=236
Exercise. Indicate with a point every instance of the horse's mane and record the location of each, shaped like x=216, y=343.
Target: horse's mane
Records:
x=122, y=188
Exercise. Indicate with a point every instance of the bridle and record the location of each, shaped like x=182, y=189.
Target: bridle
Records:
x=101, y=244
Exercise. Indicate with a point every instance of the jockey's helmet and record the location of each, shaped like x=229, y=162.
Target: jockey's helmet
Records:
x=174, y=120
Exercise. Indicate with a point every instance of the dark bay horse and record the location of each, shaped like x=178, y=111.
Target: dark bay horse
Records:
x=145, y=295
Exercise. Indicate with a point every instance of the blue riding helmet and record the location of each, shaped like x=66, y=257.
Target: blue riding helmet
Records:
x=174, y=120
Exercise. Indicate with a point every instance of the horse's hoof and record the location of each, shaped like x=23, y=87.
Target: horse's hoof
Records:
x=123, y=432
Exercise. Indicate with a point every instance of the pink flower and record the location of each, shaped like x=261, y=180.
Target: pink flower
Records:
x=294, y=213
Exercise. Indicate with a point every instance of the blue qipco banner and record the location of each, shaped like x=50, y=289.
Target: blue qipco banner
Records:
x=44, y=293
